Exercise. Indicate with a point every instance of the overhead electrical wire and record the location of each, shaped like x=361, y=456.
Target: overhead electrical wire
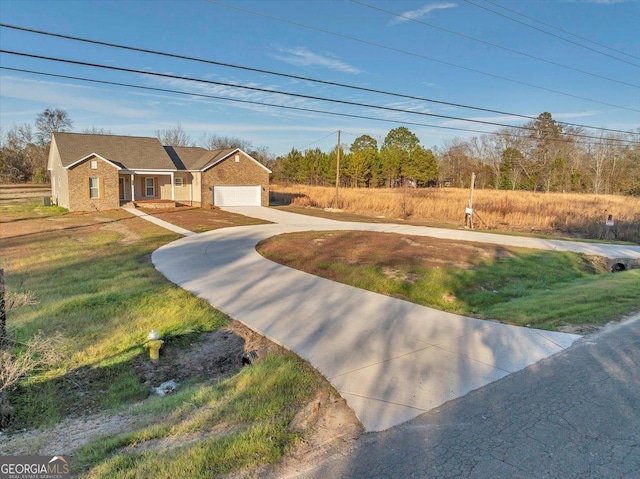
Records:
x=418, y=55
x=318, y=140
x=253, y=102
x=250, y=88
x=562, y=30
x=549, y=33
x=284, y=75
x=295, y=95
x=495, y=45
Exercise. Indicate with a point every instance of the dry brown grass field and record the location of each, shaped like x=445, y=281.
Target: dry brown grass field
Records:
x=556, y=214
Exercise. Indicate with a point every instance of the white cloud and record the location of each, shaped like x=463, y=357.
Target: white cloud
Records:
x=421, y=12
x=567, y=116
x=300, y=56
x=231, y=92
x=67, y=96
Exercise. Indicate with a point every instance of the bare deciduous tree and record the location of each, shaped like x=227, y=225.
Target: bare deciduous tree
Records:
x=94, y=130
x=216, y=142
x=174, y=136
x=49, y=121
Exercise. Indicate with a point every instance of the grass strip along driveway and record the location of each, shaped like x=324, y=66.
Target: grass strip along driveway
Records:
x=95, y=285
x=552, y=290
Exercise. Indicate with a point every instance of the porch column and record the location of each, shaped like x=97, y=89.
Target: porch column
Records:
x=133, y=188
x=173, y=187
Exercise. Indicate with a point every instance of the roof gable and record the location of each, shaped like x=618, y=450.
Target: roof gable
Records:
x=198, y=159
x=221, y=155
x=94, y=155
x=126, y=152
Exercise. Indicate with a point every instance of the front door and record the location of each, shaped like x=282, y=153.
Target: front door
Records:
x=124, y=188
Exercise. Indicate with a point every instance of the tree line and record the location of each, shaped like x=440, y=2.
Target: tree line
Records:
x=548, y=156
x=544, y=156
x=399, y=161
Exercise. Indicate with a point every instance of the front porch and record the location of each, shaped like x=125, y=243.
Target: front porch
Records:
x=155, y=204
x=156, y=189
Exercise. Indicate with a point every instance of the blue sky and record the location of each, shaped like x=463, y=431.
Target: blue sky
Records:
x=383, y=51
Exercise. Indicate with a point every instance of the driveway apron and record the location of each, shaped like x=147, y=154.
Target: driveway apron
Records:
x=391, y=360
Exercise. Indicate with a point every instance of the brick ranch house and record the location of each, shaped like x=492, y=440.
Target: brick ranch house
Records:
x=101, y=172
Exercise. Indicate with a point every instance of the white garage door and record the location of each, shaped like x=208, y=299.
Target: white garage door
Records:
x=236, y=195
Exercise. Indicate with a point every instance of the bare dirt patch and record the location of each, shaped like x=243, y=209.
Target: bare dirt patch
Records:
x=398, y=275
x=214, y=355
x=308, y=250
x=201, y=219
x=128, y=235
x=327, y=424
x=449, y=298
x=68, y=435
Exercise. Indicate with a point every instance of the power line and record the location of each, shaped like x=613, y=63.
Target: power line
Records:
x=317, y=141
x=285, y=75
x=549, y=33
x=562, y=30
x=418, y=55
x=273, y=105
x=277, y=92
x=250, y=102
x=495, y=45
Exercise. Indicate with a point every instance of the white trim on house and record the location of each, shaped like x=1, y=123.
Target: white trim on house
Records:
x=206, y=167
x=149, y=172
x=84, y=158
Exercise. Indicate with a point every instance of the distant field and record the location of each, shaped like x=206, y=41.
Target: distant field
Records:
x=555, y=214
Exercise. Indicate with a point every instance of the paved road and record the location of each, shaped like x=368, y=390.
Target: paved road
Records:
x=573, y=415
x=390, y=359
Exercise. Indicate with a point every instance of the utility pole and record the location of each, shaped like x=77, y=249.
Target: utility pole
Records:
x=338, y=171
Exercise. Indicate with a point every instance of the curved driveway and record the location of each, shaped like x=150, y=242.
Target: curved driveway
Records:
x=390, y=359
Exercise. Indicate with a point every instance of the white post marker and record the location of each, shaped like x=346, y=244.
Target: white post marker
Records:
x=610, y=221
x=609, y=225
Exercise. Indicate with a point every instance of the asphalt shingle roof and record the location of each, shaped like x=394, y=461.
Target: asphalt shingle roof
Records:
x=130, y=152
x=195, y=158
x=136, y=152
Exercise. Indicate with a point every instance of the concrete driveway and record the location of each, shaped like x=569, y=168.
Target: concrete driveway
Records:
x=390, y=359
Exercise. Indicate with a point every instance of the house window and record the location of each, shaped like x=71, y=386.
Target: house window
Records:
x=94, y=188
x=179, y=181
x=149, y=187
x=94, y=165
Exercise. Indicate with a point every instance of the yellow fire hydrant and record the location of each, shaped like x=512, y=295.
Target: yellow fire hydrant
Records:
x=154, y=343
